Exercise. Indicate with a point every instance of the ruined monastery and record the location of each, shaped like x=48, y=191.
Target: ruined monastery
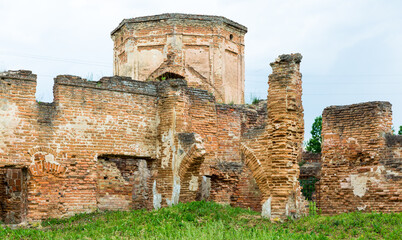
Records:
x=171, y=126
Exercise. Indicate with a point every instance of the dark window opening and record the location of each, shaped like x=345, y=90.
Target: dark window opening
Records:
x=231, y=36
x=169, y=75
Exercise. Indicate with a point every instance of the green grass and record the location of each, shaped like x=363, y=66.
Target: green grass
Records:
x=207, y=220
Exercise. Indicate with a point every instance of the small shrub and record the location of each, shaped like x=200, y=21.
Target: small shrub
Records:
x=256, y=100
x=308, y=185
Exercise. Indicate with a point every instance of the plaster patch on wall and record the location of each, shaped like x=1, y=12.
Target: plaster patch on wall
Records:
x=167, y=144
x=9, y=121
x=157, y=199
x=50, y=158
x=205, y=188
x=358, y=184
x=346, y=183
x=139, y=148
x=266, y=208
x=193, y=185
x=175, y=41
x=362, y=208
x=175, y=192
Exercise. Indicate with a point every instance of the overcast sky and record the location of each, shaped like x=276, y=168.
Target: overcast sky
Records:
x=352, y=49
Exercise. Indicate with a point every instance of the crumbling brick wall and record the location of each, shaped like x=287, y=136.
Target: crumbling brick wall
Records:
x=272, y=153
x=230, y=178
x=124, y=182
x=119, y=143
x=360, y=165
x=60, y=143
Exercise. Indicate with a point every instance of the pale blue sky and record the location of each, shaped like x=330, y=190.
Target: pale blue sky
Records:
x=352, y=50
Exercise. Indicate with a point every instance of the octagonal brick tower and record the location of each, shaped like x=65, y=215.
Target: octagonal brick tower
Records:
x=207, y=51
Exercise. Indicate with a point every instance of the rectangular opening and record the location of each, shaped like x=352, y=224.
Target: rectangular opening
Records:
x=124, y=182
x=13, y=195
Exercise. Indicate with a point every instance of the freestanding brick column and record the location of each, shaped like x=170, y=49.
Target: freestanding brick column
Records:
x=285, y=131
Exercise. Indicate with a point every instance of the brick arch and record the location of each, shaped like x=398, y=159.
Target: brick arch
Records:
x=257, y=169
x=43, y=161
x=168, y=66
x=189, y=172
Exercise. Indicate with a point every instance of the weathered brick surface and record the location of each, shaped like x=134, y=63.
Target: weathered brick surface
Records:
x=272, y=153
x=121, y=144
x=360, y=163
x=285, y=130
x=59, y=143
x=233, y=183
x=208, y=51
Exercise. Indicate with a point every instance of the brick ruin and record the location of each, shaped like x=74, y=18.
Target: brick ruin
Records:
x=208, y=51
x=361, y=160
x=120, y=144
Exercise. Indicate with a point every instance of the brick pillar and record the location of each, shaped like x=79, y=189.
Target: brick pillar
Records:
x=173, y=116
x=285, y=131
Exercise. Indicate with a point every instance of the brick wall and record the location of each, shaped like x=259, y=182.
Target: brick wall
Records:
x=60, y=142
x=360, y=165
x=122, y=144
